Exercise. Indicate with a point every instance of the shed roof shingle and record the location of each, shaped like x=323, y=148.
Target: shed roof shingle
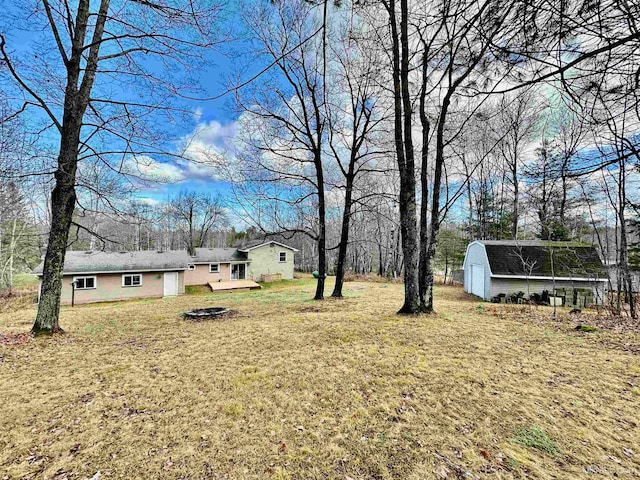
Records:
x=536, y=258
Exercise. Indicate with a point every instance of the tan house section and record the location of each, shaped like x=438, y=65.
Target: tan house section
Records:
x=110, y=287
x=265, y=258
x=271, y=258
x=199, y=274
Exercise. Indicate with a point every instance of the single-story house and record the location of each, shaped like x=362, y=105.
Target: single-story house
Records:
x=97, y=276
x=496, y=268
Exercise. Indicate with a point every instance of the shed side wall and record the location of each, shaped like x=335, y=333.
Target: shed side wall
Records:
x=515, y=285
x=476, y=255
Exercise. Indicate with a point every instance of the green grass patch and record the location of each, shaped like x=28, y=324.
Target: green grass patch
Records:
x=535, y=437
x=197, y=289
x=286, y=283
x=24, y=280
x=586, y=328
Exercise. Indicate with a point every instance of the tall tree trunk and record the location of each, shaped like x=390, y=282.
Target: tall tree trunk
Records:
x=63, y=197
x=381, y=269
x=424, y=182
x=624, y=244
x=563, y=197
x=435, y=204
x=344, y=234
x=63, y=201
x=405, y=156
x=472, y=233
x=424, y=205
x=516, y=192
x=322, y=231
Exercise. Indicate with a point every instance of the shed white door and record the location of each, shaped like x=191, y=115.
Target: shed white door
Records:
x=477, y=280
x=170, y=284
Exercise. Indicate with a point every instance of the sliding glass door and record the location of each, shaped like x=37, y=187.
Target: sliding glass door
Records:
x=238, y=271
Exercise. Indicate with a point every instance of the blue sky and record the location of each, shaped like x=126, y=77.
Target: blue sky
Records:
x=216, y=118
x=213, y=120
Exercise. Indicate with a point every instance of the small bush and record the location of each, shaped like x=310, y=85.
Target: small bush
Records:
x=537, y=438
x=586, y=328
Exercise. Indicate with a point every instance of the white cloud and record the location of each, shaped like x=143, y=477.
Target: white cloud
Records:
x=208, y=150
x=152, y=202
x=146, y=168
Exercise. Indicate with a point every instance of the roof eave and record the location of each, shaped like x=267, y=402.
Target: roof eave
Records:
x=542, y=277
x=247, y=250
x=136, y=270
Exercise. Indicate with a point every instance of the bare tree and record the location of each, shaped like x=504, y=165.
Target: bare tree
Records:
x=517, y=117
x=354, y=119
x=196, y=214
x=285, y=124
x=102, y=47
x=18, y=249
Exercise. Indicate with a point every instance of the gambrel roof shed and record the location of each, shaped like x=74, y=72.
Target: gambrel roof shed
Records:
x=492, y=267
x=543, y=259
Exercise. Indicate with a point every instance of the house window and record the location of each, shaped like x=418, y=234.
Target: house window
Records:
x=132, y=280
x=282, y=257
x=214, y=268
x=191, y=266
x=85, y=283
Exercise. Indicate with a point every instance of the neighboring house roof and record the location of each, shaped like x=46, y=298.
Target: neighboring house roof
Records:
x=536, y=258
x=259, y=243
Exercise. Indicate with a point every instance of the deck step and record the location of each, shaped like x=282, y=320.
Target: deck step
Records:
x=234, y=285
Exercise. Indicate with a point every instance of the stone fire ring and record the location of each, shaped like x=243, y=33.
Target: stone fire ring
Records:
x=205, y=313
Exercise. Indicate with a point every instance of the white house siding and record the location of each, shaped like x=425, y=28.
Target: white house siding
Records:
x=476, y=255
x=515, y=285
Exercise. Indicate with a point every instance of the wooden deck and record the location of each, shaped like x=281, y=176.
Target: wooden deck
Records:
x=234, y=285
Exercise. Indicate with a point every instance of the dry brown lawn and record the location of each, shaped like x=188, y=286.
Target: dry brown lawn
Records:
x=291, y=388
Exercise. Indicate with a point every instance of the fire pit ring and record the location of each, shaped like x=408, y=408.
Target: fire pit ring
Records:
x=200, y=314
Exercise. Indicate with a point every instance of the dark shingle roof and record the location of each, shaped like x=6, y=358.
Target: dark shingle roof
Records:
x=536, y=258
x=208, y=255
x=251, y=243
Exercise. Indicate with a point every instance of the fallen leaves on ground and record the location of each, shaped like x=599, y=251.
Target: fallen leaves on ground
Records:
x=14, y=339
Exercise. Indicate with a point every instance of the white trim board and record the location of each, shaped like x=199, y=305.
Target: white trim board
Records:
x=96, y=272
x=571, y=279
x=269, y=242
x=220, y=262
